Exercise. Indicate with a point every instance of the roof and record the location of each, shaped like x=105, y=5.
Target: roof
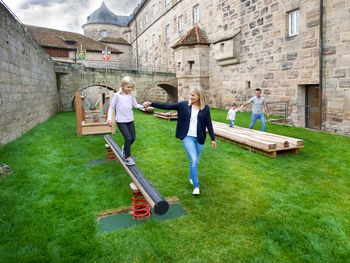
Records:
x=48, y=37
x=195, y=36
x=105, y=16
x=113, y=40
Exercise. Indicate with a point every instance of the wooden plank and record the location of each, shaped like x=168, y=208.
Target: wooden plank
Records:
x=267, y=146
x=262, y=142
x=280, y=143
x=276, y=137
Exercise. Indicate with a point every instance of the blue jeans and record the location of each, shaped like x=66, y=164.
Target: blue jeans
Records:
x=254, y=118
x=193, y=149
x=232, y=123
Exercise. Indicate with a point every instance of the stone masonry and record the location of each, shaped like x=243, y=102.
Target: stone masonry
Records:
x=28, y=93
x=250, y=48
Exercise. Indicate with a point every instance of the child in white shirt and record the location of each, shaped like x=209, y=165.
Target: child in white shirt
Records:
x=231, y=114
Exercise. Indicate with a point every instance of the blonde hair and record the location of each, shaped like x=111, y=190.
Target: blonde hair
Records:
x=199, y=92
x=128, y=81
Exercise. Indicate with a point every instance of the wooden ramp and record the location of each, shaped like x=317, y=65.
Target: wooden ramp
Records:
x=166, y=115
x=263, y=142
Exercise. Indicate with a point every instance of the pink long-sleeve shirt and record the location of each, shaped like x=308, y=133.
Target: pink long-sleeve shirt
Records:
x=122, y=104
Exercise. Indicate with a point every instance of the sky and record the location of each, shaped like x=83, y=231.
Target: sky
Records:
x=66, y=15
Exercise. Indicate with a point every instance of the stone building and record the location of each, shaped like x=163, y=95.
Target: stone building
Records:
x=296, y=51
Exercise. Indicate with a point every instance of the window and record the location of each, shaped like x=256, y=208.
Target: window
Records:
x=196, y=14
x=104, y=33
x=222, y=47
x=180, y=22
x=293, y=23
x=190, y=62
x=167, y=32
x=167, y=3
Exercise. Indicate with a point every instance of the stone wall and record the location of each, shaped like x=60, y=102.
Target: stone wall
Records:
x=336, y=83
x=28, y=93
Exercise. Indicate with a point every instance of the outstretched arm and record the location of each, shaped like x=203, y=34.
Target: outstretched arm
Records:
x=136, y=105
x=163, y=106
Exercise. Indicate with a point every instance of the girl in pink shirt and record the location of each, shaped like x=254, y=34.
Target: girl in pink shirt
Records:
x=122, y=104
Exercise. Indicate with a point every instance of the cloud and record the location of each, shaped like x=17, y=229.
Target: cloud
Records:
x=65, y=15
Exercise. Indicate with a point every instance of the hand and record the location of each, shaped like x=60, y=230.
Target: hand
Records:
x=213, y=144
x=146, y=104
x=109, y=123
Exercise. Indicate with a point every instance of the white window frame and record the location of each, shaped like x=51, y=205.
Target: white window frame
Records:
x=167, y=32
x=180, y=23
x=104, y=33
x=167, y=3
x=294, y=23
x=196, y=14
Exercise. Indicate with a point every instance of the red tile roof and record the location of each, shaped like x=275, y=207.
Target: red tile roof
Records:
x=113, y=40
x=195, y=36
x=48, y=37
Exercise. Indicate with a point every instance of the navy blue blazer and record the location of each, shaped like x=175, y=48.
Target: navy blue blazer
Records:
x=183, y=120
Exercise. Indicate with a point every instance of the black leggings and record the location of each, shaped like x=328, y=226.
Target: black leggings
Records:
x=128, y=131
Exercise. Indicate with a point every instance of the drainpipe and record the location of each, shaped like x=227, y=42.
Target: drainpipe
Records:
x=137, y=46
x=323, y=109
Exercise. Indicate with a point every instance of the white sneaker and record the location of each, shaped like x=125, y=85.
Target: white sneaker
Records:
x=129, y=161
x=191, y=182
x=196, y=191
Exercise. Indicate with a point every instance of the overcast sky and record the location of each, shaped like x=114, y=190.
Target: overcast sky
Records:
x=67, y=15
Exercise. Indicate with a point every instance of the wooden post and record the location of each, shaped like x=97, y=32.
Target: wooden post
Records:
x=79, y=112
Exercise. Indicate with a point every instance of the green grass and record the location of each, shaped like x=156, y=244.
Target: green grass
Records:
x=252, y=208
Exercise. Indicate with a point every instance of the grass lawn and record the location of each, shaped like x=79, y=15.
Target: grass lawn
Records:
x=252, y=208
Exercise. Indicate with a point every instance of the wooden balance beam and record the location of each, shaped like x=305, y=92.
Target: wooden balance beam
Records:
x=153, y=197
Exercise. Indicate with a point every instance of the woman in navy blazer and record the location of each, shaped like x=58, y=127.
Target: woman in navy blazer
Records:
x=193, y=120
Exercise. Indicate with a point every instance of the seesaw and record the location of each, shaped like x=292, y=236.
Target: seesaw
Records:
x=152, y=196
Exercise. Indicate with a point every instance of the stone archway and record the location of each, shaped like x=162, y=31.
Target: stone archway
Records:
x=92, y=91
x=171, y=91
x=160, y=92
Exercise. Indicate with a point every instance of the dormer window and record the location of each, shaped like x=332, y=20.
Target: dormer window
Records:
x=69, y=41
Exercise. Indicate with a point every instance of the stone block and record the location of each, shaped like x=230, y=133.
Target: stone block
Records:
x=268, y=76
x=329, y=50
x=252, y=24
x=339, y=73
x=286, y=65
x=292, y=55
x=313, y=23
x=256, y=32
x=309, y=43
x=267, y=27
x=344, y=83
x=345, y=36
x=292, y=74
x=274, y=7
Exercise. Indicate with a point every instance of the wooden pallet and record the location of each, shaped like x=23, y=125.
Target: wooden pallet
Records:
x=166, y=115
x=265, y=143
